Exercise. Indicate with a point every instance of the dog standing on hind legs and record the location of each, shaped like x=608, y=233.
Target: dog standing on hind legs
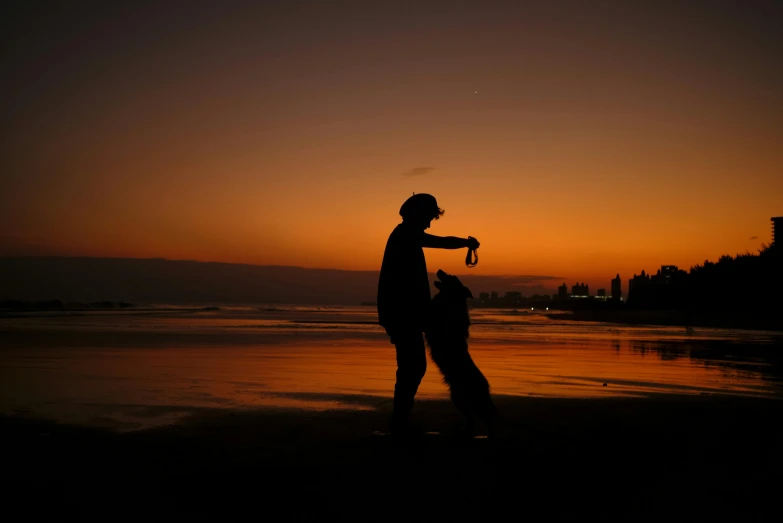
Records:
x=447, y=336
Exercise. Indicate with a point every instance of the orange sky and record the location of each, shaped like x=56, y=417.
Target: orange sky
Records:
x=573, y=139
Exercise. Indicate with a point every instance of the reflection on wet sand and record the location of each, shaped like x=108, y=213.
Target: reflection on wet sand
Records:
x=733, y=360
x=134, y=372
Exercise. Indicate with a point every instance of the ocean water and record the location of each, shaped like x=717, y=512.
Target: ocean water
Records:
x=133, y=369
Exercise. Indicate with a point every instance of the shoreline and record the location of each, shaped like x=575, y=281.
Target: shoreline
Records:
x=747, y=320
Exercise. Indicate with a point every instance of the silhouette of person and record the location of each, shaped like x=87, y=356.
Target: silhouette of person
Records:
x=404, y=297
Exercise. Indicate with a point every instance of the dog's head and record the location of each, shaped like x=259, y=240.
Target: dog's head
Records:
x=451, y=287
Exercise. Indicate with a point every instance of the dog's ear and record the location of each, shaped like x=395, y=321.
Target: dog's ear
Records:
x=469, y=294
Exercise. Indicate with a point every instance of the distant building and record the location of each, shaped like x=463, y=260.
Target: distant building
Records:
x=580, y=290
x=661, y=289
x=667, y=272
x=667, y=275
x=601, y=293
x=638, y=282
x=484, y=297
x=562, y=292
x=513, y=297
x=494, y=296
x=617, y=288
x=777, y=227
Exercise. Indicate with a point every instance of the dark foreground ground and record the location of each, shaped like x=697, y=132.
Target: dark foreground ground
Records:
x=658, y=459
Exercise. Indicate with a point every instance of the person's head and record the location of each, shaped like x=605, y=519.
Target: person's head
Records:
x=420, y=210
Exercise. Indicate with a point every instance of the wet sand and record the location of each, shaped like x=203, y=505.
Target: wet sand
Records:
x=128, y=372
x=270, y=415
x=673, y=458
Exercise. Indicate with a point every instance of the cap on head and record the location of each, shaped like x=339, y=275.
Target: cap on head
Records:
x=421, y=206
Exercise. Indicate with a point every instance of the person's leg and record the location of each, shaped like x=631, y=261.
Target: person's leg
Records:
x=411, y=366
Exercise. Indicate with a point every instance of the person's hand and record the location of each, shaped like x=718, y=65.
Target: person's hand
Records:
x=473, y=243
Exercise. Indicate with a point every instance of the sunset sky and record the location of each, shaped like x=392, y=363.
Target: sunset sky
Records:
x=573, y=139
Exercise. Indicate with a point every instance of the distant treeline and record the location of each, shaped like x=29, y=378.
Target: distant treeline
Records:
x=743, y=282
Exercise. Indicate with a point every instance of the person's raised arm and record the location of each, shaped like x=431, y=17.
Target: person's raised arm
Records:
x=447, y=242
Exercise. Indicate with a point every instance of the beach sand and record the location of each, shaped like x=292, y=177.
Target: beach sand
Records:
x=673, y=458
x=241, y=414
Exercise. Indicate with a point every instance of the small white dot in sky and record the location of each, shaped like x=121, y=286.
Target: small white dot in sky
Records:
x=475, y=92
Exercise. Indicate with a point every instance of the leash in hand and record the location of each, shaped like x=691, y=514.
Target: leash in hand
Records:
x=471, y=260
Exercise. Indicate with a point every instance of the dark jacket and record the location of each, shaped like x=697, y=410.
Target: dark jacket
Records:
x=403, y=287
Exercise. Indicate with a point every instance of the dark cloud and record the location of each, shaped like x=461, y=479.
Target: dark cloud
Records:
x=513, y=281
x=419, y=171
x=138, y=281
x=754, y=237
x=528, y=279
x=527, y=284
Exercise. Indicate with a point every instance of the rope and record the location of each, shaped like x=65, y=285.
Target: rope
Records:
x=471, y=260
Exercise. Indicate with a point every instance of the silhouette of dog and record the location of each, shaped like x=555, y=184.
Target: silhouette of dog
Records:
x=447, y=336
